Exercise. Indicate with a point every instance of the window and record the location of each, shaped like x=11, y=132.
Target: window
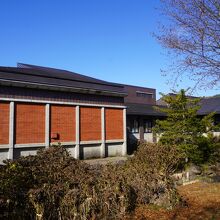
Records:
x=147, y=126
x=134, y=126
x=144, y=94
x=217, y=121
x=217, y=124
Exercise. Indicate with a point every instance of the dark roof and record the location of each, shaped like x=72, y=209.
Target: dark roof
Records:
x=161, y=102
x=56, y=79
x=142, y=109
x=208, y=105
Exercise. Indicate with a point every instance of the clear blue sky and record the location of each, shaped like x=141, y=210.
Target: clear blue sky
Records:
x=108, y=39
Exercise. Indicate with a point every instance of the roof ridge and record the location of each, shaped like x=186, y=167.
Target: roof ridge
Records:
x=47, y=69
x=19, y=70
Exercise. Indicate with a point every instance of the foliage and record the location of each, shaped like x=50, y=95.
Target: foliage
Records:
x=15, y=182
x=192, y=36
x=183, y=127
x=149, y=172
x=40, y=182
x=207, y=150
x=53, y=185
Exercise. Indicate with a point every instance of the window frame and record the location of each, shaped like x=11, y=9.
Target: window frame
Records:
x=134, y=126
x=148, y=125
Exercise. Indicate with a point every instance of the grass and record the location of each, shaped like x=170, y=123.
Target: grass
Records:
x=202, y=202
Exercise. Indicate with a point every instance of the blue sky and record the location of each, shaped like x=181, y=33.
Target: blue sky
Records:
x=108, y=39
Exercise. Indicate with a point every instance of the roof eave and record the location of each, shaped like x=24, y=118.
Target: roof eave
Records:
x=60, y=88
x=144, y=114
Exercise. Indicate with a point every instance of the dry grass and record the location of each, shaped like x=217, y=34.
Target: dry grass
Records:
x=202, y=202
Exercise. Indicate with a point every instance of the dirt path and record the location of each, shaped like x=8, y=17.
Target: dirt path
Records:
x=103, y=161
x=202, y=199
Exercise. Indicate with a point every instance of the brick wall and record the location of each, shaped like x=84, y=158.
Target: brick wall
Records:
x=29, y=123
x=4, y=123
x=90, y=123
x=62, y=123
x=114, y=123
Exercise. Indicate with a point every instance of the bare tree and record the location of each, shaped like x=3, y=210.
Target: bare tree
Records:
x=192, y=37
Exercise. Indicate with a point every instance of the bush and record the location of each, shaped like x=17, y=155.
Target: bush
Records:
x=40, y=182
x=53, y=185
x=149, y=172
x=15, y=182
x=205, y=150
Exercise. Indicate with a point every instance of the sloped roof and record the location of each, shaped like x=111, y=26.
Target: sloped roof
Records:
x=50, y=78
x=161, y=102
x=142, y=109
x=208, y=105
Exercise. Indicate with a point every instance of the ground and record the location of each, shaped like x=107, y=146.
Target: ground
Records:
x=103, y=161
x=202, y=202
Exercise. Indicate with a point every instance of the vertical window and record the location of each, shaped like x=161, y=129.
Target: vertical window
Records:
x=134, y=126
x=217, y=121
x=217, y=124
x=148, y=126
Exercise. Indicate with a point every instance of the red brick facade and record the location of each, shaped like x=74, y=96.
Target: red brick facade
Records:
x=114, y=123
x=63, y=123
x=29, y=123
x=90, y=123
x=4, y=122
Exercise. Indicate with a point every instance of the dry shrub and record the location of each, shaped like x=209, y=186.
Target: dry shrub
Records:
x=115, y=193
x=40, y=182
x=54, y=185
x=15, y=182
x=109, y=196
x=149, y=171
x=57, y=174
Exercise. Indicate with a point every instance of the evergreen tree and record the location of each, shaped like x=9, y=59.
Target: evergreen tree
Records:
x=182, y=126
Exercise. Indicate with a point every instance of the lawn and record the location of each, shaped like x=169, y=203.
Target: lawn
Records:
x=202, y=202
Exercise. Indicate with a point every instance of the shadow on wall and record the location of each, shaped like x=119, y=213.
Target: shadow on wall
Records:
x=132, y=143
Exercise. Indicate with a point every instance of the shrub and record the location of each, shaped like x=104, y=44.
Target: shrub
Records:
x=54, y=185
x=15, y=182
x=40, y=182
x=149, y=172
x=206, y=150
x=106, y=194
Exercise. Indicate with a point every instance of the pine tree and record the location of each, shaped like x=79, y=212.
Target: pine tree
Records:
x=182, y=126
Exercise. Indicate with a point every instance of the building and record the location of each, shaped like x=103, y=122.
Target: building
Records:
x=141, y=113
x=40, y=106
x=208, y=105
